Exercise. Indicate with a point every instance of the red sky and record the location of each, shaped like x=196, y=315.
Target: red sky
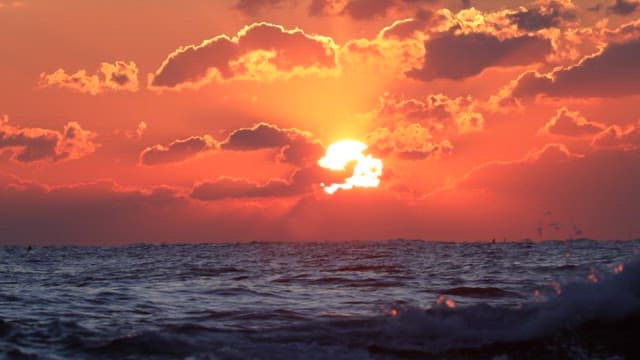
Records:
x=203, y=121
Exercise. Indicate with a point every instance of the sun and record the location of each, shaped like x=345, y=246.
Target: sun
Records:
x=366, y=172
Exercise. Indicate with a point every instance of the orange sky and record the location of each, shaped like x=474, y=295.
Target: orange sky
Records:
x=203, y=121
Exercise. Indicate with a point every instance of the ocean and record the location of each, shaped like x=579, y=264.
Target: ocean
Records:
x=397, y=299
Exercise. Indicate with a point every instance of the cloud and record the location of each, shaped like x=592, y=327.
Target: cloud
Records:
x=301, y=182
x=415, y=129
x=499, y=176
x=441, y=44
x=119, y=76
x=364, y=9
x=406, y=28
x=612, y=72
x=616, y=137
x=458, y=56
x=254, y=7
x=178, y=150
x=436, y=112
x=544, y=14
x=36, y=144
x=301, y=151
x=407, y=141
x=367, y=9
x=623, y=7
x=105, y=213
x=260, y=51
x=294, y=146
x=260, y=136
x=595, y=192
x=572, y=124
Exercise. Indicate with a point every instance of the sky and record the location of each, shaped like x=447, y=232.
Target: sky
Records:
x=205, y=120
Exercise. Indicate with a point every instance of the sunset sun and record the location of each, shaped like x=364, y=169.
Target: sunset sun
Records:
x=366, y=171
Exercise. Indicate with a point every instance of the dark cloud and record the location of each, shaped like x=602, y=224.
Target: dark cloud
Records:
x=178, y=150
x=572, y=124
x=254, y=7
x=451, y=56
x=295, y=146
x=35, y=144
x=363, y=9
x=285, y=50
x=595, y=191
x=616, y=137
x=623, y=7
x=260, y=136
x=301, y=182
x=301, y=151
x=613, y=72
x=105, y=213
x=368, y=9
x=542, y=16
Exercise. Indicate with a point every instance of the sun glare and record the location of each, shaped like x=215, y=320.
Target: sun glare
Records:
x=367, y=169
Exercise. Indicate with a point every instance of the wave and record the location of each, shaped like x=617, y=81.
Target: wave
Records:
x=587, y=320
x=596, y=319
x=478, y=292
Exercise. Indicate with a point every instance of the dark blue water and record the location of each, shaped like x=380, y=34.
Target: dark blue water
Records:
x=380, y=300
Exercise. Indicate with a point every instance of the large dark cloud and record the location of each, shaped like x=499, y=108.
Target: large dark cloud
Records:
x=104, y=213
x=596, y=192
x=613, y=72
x=36, y=144
x=364, y=9
x=623, y=7
x=453, y=56
x=260, y=136
x=254, y=7
x=178, y=150
x=542, y=16
x=289, y=51
x=301, y=182
x=295, y=146
x=367, y=9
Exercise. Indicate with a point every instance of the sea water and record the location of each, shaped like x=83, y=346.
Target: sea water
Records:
x=355, y=300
